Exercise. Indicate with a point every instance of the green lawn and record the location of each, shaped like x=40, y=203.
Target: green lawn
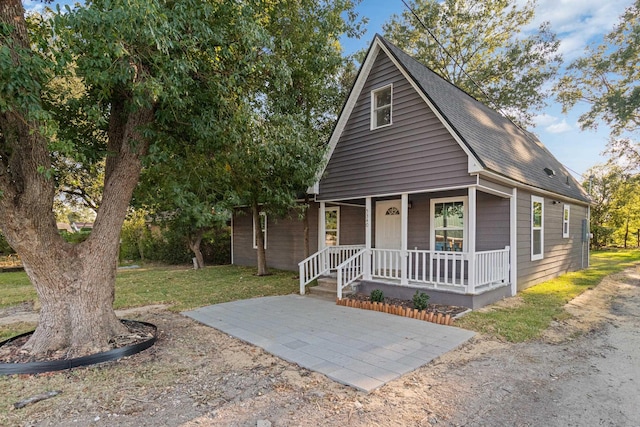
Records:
x=544, y=303
x=180, y=287
x=184, y=288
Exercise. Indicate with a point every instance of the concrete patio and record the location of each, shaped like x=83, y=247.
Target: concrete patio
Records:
x=360, y=348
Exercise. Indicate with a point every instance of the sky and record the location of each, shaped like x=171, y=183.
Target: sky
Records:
x=577, y=23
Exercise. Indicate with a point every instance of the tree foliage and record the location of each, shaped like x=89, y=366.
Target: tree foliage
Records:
x=606, y=78
x=292, y=112
x=615, y=215
x=145, y=71
x=482, y=48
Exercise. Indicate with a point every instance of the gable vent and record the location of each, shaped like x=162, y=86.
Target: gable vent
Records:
x=549, y=172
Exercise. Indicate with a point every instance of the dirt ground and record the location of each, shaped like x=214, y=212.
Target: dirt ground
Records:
x=584, y=371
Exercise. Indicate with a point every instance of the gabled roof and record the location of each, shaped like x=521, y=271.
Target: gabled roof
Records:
x=497, y=143
x=494, y=143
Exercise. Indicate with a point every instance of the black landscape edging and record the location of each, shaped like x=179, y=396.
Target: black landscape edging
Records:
x=92, y=359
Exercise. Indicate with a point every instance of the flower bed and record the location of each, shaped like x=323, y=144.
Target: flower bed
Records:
x=435, y=313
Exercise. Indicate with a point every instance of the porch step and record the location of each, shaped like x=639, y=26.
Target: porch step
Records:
x=327, y=288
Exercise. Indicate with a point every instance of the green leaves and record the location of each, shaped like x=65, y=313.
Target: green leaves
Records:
x=606, y=78
x=491, y=57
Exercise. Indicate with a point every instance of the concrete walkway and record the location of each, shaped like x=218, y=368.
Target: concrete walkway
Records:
x=360, y=348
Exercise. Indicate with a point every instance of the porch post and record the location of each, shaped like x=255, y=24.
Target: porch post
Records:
x=513, y=242
x=367, y=239
x=404, y=231
x=471, y=241
x=322, y=226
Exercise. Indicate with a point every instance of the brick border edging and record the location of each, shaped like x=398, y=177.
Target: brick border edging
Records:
x=413, y=313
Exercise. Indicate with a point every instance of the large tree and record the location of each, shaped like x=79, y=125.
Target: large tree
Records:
x=607, y=78
x=481, y=46
x=140, y=62
x=293, y=112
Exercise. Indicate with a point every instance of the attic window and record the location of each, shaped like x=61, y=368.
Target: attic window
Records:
x=550, y=172
x=381, y=107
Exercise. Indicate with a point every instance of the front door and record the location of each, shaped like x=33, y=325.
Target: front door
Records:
x=388, y=224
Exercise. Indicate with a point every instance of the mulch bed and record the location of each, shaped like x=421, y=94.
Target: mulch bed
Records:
x=436, y=313
x=11, y=351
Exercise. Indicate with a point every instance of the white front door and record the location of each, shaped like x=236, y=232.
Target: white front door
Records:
x=388, y=224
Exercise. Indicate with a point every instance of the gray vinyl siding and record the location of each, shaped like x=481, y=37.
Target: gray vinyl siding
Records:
x=492, y=222
x=285, y=239
x=415, y=153
x=561, y=255
x=419, y=217
x=352, y=225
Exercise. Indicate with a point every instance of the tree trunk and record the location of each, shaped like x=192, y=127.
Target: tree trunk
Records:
x=626, y=231
x=194, y=244
x=261, y=252
x=75, y=283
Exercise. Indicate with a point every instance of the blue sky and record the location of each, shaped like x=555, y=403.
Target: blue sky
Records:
x=577, y=23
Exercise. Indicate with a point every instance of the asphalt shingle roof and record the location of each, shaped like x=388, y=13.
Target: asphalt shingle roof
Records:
x=498, y=144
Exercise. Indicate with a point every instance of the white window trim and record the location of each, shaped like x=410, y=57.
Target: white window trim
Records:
x=374, y=124
x=566, y=220
x=534, y=256
x=432, y=222
x=264, y=232
x=335, y=209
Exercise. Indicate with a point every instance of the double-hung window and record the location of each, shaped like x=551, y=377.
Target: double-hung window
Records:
x=263, y=228
x=331, y=224
x=381, y=107
x=449, y=223
x=537, y=228
x=566, y=214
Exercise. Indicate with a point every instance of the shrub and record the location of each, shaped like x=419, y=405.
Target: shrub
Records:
x=420, y=300
x=377, y=295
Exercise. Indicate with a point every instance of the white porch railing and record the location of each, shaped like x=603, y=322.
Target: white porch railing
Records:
x=323, y=262
x=440, y=269
x=350, y=271
x=492, y=268
x=453, y=271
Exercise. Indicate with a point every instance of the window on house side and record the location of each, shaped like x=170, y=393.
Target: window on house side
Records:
x=381, y=107
x=263, y=227
x=332, y=225
x=448, y=221
x=566, y=213
x=537, y=228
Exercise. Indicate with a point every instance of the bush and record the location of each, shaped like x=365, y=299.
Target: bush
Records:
x=420, y=300
x=377, y=295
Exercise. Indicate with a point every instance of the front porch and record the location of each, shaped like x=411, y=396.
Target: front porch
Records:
x=458, y=242
x=441, y=271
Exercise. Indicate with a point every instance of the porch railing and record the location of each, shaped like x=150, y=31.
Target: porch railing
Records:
x=350, y=271
x=492, y=267
x=458, y=271
x=443, y=269
x=323, y=262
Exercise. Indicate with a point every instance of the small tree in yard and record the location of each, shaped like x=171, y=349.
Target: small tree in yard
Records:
x=140, y=64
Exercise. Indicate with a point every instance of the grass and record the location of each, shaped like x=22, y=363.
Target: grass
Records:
x=182, y=288
x=544, y=303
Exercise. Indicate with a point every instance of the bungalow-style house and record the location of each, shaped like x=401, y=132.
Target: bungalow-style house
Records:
x=426, y=188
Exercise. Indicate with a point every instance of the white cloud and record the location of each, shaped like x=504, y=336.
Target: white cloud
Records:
x=551, y=124
x=33, y=6
x=543, y=120
x=561, y=127
x=578, y=23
